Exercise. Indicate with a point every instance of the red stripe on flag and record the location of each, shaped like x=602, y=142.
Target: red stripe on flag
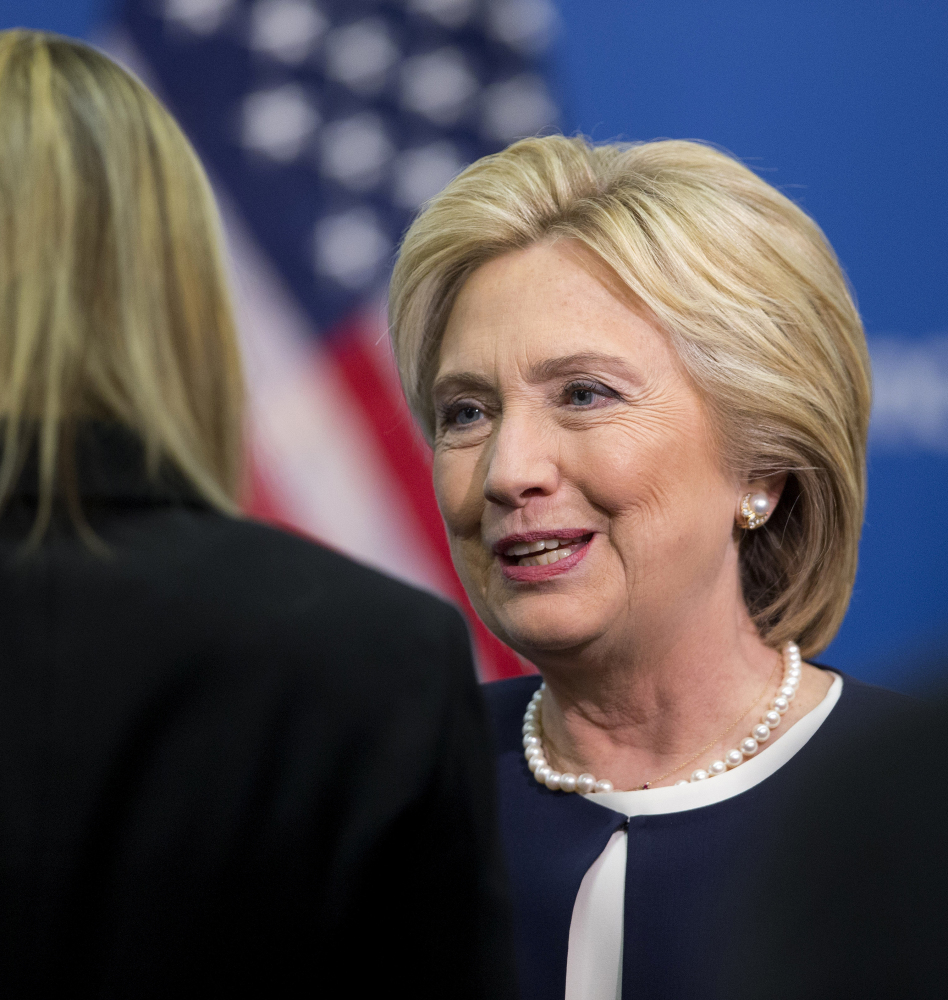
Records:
x=260, y=500
x=258, y=497
x=410, y=465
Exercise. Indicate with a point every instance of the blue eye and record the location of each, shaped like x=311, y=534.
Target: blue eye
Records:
x=582, y=397
x=467, y=415
x=588, y=395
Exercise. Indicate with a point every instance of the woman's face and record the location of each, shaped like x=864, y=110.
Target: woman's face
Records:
x=574, y=462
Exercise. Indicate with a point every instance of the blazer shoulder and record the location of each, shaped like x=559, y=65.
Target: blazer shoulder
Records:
x=506, y=702
x=286, y=565
x=288, y=602
x=873, y=697
x=865, y=708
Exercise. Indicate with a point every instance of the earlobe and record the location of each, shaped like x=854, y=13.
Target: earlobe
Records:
x=760, y=501
x=755, y=510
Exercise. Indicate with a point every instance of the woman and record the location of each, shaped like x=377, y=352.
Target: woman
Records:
x=232, y=761
x=647, y=389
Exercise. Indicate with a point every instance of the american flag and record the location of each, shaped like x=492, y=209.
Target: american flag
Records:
x=325, y=125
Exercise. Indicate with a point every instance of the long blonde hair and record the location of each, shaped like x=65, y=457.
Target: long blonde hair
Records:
x=114, y=302
x=749, y=292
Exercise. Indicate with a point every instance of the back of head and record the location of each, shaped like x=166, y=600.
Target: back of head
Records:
x=113, y=292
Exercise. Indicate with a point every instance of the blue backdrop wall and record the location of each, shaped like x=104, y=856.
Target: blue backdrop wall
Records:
x=843, y=106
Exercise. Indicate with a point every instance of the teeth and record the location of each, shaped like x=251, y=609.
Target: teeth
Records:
x=546, y=545
x=528, y=548
x=546, y=558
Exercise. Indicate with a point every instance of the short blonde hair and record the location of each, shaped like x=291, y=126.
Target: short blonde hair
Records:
x=751, y=295
x=114, y=302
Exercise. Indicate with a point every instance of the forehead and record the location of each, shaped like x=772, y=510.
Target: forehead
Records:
x=546, y=300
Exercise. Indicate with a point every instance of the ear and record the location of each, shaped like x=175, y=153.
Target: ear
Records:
x=758, y=499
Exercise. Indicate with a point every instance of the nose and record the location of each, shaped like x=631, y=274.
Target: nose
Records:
x=522, y=463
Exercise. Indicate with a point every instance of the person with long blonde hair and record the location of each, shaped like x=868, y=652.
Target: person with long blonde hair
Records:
x=231, y=759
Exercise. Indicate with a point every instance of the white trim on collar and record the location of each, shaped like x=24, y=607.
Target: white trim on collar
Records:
x=678, y=798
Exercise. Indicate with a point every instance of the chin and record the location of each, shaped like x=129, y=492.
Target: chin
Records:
x=532, y=631
x=533, y=623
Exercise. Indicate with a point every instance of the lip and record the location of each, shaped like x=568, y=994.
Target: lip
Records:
x=538, y=536
x=536, y=574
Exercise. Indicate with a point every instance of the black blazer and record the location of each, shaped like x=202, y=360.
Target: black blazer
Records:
x=232, y=759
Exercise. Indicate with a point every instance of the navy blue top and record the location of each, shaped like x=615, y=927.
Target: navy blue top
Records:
x=685, y=870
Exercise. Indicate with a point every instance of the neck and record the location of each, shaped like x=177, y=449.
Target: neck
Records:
x=660, y=696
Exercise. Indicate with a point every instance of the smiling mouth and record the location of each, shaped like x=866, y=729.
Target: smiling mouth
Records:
x=543, y=552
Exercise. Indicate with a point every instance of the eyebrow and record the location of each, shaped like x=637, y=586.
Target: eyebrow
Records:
x=542, y=371
x=461, y=381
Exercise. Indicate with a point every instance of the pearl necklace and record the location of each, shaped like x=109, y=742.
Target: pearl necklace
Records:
x=585, y=783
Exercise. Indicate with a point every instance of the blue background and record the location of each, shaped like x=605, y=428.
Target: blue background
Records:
x=844, y=107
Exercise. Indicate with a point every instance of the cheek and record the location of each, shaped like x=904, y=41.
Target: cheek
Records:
x=626, y=467
x=459, y=490
x=655, y=477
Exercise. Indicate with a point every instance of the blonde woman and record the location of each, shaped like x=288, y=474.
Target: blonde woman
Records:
x=647, y=390
x=232, y=762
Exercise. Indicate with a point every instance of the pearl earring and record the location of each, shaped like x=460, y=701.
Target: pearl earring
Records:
x=755, y=510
